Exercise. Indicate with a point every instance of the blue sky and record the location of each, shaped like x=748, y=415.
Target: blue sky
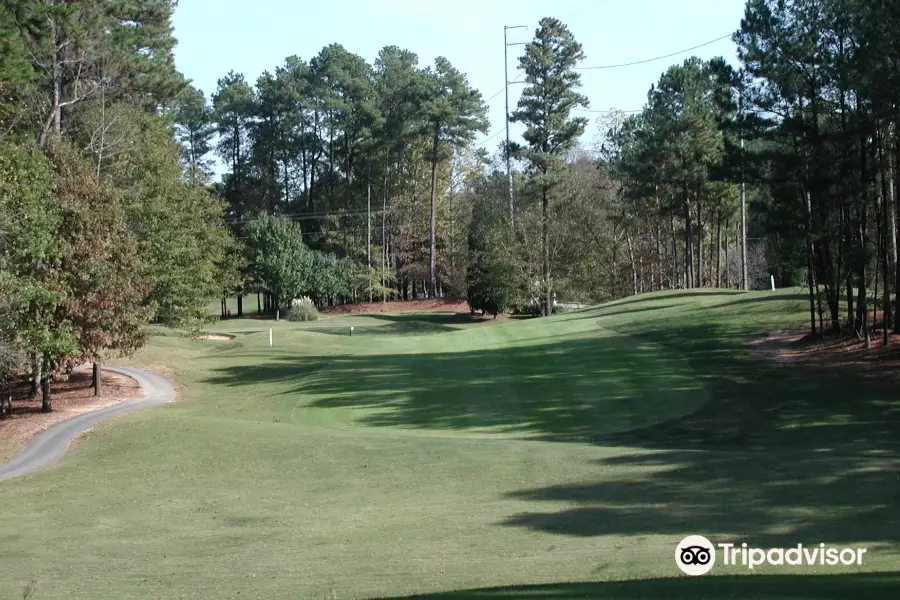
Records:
x=215, y=36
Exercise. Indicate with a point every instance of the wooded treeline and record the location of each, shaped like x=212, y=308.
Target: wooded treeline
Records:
x=376, y=165
x=808, y=120
x=100, y=232
x=357, y=154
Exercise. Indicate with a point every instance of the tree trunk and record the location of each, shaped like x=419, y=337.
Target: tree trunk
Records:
x=35, y=376
x=432, y=237
x=54, y=119
x=545, y=239
x=688, y=245
x=384, y=248
x=851, y=319
x=889, y=249
x=699, y=230
x=46, y=405
x=659, y=255
x=6, y=402
x=97, y=379
x=718, y=251
x=726, y=280
x=862, y=311
x=674, y=252
x=893, y=167
x=810, y=270
x=240, y=305
x=634, y=275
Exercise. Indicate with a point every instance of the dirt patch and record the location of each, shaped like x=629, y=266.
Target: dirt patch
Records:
x=70, y=398
x=217, y=337
x=401, y=306
x=791, y=347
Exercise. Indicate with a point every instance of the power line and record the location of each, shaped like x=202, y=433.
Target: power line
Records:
x=611, y=110
x=324, y=233
x=503, y=89
x=303, y=217
x=649, y=60
x=492, y=136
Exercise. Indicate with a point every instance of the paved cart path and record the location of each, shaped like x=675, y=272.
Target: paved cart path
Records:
x=49, y=446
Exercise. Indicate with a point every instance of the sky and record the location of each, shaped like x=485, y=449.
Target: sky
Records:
x=216, y=36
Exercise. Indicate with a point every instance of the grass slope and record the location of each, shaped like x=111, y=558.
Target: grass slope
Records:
x=422, y=455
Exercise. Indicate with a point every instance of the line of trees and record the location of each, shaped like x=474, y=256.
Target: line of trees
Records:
x=808, y=120
x=804, y=126
x=100, y=232
x=358, y=155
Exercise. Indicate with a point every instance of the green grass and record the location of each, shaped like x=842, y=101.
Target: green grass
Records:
x=556, y=458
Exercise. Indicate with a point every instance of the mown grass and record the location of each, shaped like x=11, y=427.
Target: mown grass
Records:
x=557, y=458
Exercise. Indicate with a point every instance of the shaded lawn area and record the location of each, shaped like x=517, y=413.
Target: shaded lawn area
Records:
x=638, y=372
x=576, y=382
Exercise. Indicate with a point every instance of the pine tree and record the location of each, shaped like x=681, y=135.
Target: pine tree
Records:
x=234, y=104
x=544, y=108
x=454, y=112
x=194, y=130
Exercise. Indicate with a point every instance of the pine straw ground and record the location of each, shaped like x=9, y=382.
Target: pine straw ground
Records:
x=70, y=397
x=399, y=306
x=841, y=349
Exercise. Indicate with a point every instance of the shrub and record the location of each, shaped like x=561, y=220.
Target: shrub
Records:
x=533, y=309
x=527, y=309
x=303, y=309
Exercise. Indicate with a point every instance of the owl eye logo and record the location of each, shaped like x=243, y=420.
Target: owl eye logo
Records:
x=695, y=555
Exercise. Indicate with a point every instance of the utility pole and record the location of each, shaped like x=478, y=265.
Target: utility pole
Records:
x=506, y=81
x=369, y=228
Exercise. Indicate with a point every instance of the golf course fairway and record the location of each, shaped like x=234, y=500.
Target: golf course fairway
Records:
x=432, y=454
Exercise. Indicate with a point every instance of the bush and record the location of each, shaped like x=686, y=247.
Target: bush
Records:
x=526, y=309
x=533, y=309
x=303, y=309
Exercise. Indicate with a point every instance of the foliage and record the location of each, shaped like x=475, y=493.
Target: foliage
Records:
x=30, y=270
x=454, y=113
x=550, y=132
x=280, y=261
x=303, y=309
x=493, y=278
x=187, y=254
x=101, y=275
x=194, y=131
x=93, y=52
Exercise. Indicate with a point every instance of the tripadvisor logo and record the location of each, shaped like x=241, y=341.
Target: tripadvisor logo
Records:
x=696, y=555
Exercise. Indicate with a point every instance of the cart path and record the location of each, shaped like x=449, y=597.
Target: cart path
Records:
x=50, y=445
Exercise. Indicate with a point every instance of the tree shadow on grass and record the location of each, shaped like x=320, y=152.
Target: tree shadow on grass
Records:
x=412, y=324
x=662, y=296
x=764, y=499
x=649, y=390
x=573, y=390
x=603, y=313
x=802, y=453
x=870, y=586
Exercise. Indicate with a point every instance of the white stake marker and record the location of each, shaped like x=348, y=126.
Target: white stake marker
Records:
x=270, y=336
